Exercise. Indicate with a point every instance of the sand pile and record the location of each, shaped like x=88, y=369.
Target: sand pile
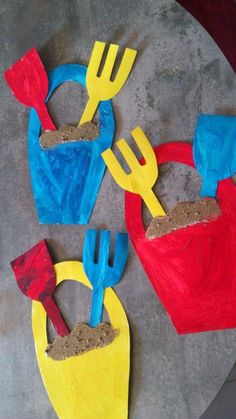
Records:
x=81, y=339
x=182, y=215
x=87, y=131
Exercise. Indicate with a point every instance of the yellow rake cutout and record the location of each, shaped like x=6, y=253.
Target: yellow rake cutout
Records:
x=142, y=178
x=102, y=87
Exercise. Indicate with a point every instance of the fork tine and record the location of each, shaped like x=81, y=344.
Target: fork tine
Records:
x=128, y=154
x=147, y=151
x=95, y=59
x=110, y=61
x=120, y=251
x=116, y=170
x=104, y=250
x=125, y=67
x=120, y=259
x=89, y=253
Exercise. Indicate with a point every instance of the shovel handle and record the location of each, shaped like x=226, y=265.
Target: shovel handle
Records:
x=55, y=316
x=97, y=306
x=89, y=110
x=44, y=117
x=153, y=204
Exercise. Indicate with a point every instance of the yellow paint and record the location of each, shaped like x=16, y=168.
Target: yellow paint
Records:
x=102, y=87
x=93, y=385
x=141, y=179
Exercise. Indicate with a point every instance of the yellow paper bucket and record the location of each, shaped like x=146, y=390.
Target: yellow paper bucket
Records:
x=93, y=385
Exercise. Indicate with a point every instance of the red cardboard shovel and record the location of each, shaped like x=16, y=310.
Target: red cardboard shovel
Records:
x=28, y=82
x=35, y=276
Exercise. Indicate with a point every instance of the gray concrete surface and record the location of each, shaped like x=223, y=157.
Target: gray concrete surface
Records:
x=179, y=72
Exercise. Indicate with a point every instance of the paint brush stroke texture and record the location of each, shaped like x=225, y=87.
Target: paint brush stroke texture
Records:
x=218, y=18
x=214, y=150
x=35, y=276
x=28, y=82
x=96, y=384
x=66, y=179
x=192, y=269
x=101, y=274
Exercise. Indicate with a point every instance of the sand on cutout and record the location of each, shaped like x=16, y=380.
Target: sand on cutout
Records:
x=183, y=215
x=81, y=339
x=67, y=133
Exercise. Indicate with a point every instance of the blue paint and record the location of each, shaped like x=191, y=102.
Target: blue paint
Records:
x=100, y=273
x=66, y=179
x=214, y=150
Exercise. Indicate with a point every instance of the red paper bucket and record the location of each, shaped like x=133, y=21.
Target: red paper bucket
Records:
x=193, y=269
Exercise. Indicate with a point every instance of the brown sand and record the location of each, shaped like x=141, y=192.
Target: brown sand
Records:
x=87, y=131
x=81, y=339
x=182, y=215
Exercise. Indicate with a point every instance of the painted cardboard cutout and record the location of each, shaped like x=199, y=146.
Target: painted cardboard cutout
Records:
x=28, y=82
x=96, y=383
x=102, y=87
x=66, y=179
x=141, y=178
x=35, y=276
x=193, y=270
x=100, y=273
x=214, y=150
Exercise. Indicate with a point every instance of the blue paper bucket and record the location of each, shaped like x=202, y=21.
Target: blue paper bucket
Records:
x=66, y=178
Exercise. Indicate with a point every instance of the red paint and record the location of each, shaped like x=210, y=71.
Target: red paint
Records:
x=193, y=270
x=36, y=278
x=219, y=19
x=28, y=81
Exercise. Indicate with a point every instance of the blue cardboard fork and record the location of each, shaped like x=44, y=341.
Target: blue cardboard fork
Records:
x=100, y=273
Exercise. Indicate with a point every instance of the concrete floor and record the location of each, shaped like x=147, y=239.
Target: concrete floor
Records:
x=179, y=72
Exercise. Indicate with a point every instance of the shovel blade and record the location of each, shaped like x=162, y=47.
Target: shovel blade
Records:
x=28, y=79
x=34, y=272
